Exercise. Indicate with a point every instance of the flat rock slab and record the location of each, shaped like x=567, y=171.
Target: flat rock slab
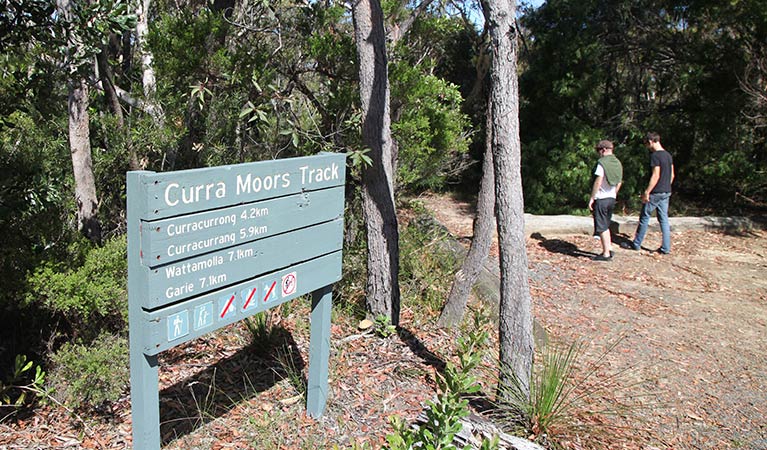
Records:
x=567, y=224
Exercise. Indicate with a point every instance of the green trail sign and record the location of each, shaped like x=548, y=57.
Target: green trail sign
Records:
x=209, y=247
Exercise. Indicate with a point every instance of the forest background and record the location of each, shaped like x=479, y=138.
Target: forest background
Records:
x=189, y=84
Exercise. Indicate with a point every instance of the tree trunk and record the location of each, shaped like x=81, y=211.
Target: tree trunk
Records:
x=79, y=141
x=148, y=80
x=113, y=99
x=377, y=179
x=82, y=164
x=515, y=331
x=455, y=306
x=108, y=85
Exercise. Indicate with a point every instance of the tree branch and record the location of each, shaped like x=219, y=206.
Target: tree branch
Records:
x=400, y=29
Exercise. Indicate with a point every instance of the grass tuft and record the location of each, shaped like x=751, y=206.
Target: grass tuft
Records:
x=562, y=386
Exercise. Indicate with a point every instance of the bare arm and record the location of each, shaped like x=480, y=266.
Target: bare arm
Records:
x=594, y=191
x=653, y=181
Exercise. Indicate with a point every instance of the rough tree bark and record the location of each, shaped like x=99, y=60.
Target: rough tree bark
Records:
x=515, y=316
x=455, y=306
x=79, y=142
x=383, y=295
x=148, y=80
x=82, y=164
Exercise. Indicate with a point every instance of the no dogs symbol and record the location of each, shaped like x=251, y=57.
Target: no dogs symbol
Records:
x=289, y=282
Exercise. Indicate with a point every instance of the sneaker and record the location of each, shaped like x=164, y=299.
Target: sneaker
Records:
x=603, y=257
x=628, y=246
x=661, y=252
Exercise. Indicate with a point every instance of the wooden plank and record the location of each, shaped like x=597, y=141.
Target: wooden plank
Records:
x=319, y=352
x=167, y=327
x=177, y=281
x=190, y=191
x=169, y=240
x=144, y=370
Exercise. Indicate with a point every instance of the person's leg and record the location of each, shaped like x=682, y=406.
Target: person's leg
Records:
x=602, y=216
x=607, y=243
x=662, y=212
x=644, y=222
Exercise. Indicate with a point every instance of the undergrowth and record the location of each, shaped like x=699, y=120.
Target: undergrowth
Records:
x=90, y=375
x=564, y=387
x=443, y=415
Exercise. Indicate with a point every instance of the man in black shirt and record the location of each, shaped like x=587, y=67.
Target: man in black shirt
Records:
x=656, y=196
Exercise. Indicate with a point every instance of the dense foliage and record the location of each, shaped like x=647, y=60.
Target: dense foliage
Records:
x=245, y=81
x=597, y=69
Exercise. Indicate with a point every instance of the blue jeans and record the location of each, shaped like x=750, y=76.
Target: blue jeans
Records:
x=659, y=203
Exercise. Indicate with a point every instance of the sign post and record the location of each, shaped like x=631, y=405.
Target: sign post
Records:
x=210, y=247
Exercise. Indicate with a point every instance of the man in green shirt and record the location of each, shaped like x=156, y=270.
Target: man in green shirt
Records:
x=608, y=178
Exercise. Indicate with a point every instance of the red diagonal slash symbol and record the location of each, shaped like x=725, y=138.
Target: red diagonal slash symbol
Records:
x=271, y=288
x=228, y=304
x=250, y=297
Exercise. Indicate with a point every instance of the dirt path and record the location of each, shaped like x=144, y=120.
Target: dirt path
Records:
x=694, y=328
x=691, y=365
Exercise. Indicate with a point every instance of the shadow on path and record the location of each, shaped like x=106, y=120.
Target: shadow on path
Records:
x=562, y=246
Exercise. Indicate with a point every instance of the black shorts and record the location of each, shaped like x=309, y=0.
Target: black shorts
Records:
x=603, y=214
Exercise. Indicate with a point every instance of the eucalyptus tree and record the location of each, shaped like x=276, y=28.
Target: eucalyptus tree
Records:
x=84, y=30
x=382, y=292
x=515, y=328
x=148, y=77
x=482, y=238
x=79, y=129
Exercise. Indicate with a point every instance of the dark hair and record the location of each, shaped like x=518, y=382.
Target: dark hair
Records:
x=652, y=137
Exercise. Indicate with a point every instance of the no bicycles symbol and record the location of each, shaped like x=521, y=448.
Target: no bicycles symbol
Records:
x=289, y=284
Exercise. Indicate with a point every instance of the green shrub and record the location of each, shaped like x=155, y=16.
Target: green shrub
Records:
x=443, y=416
x=91, y=297
x=90, y=375
x=431, y=132
x=34, y=197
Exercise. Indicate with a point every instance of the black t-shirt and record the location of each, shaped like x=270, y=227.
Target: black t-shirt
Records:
x=663, y=159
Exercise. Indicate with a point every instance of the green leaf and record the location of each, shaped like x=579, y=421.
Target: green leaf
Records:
x=247, y=109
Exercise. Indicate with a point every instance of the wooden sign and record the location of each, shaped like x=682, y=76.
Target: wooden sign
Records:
x=209, y=247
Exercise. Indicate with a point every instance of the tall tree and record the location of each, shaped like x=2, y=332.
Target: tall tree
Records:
x=482, y=239
x=148, y=78
x=515, y=329
x=79, y=133
x=383, y=295
x=455, y=306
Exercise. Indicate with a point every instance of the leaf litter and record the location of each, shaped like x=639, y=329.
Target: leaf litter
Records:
x=693, y=330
